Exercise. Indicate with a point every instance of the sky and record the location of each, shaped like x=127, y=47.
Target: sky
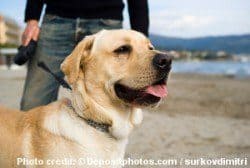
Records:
x=178, y=18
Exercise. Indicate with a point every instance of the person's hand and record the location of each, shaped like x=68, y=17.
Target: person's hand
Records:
x=31, y=31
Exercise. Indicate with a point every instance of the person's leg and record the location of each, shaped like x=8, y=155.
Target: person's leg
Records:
x=56, y=41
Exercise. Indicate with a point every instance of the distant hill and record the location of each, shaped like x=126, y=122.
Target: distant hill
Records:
x=235, y=44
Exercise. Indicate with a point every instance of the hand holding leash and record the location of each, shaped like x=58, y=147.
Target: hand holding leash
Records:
x=25, y=53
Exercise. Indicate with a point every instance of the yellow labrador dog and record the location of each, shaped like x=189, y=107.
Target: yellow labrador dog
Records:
x=113, y=74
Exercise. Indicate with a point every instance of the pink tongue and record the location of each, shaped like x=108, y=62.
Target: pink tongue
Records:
x=157, y=90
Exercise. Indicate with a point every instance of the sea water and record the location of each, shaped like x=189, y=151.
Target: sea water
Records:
x=230, y=68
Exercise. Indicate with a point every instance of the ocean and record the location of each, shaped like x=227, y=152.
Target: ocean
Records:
x=230, y=68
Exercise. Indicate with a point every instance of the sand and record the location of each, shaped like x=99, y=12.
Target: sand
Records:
x=203, y=116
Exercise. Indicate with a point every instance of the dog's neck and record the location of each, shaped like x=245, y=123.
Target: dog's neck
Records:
x=99, y=108
x=103, y=127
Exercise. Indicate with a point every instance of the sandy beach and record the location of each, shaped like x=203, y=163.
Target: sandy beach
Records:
x=203, y=116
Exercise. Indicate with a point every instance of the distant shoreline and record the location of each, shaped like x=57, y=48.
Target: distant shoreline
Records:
x=228, y=68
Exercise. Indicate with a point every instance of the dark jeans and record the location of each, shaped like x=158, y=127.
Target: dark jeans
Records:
x=57, y=39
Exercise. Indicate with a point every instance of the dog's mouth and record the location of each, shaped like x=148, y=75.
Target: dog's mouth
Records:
x=148, y=95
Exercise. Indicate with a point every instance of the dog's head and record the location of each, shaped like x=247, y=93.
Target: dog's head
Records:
x=121, y=63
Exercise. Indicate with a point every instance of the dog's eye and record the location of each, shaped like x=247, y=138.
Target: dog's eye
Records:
x=123, y=49
x=151, y=47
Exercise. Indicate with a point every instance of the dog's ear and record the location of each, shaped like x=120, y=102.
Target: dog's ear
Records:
x=71, y=65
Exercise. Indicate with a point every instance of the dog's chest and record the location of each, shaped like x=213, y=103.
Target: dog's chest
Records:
x=73, y=139
x=82, y=154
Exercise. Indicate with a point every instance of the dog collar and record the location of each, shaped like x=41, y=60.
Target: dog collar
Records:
x=103, y=127
x=99, y=126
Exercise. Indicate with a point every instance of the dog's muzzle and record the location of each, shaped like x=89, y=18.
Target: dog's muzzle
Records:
x=150, y=94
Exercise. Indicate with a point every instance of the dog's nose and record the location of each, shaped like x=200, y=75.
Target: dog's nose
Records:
x=162, y=61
